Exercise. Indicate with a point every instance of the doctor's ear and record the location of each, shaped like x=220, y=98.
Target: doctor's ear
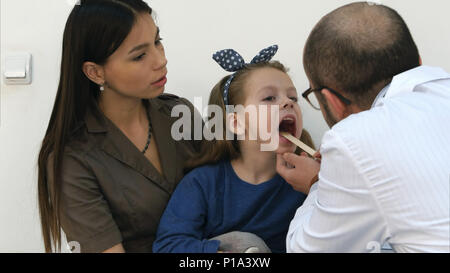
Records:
x=94, y=72
x=337, y=107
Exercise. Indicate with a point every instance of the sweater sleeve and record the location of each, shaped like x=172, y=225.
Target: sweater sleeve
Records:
x=181, y=227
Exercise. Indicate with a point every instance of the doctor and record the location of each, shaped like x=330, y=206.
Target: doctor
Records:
x=385, y=168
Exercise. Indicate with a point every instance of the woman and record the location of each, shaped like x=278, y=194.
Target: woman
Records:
x=108, y=163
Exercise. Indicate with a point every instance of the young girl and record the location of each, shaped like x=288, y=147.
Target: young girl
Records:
x=237, y=187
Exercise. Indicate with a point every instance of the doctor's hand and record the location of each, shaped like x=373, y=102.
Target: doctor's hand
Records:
x=301, y=172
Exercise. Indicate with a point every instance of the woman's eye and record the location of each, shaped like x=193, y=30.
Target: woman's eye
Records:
x=140, y=57
x=158, y=41
x=270, y=98
x=294, y=99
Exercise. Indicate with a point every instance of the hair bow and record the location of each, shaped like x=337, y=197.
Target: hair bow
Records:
x=232, y=61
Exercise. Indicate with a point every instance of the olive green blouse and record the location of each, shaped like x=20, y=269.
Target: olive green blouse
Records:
x=111, y=193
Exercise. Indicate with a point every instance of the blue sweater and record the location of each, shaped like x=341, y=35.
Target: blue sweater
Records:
x=213, y=200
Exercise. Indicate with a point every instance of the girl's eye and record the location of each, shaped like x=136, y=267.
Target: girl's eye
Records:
x=140, y=57
x=294, y=99
x=270, y=98
x=158, y=41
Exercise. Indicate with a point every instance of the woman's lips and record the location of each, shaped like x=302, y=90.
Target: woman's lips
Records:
x=161, y=82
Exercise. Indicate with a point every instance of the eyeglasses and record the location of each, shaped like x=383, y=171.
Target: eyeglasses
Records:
x=312, y=100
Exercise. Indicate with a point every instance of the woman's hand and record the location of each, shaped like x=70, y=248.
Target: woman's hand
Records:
x=115, y=249
x=301, y=172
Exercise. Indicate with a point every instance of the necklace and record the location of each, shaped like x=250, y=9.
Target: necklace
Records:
x=149, y=136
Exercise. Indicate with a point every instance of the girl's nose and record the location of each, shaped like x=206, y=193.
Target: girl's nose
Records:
x=288, y=103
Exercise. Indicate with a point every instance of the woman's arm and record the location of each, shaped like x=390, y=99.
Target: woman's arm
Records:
x=85, y=214
x=115, y=249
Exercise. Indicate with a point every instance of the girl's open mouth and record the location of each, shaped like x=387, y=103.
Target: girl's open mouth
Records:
x=288, y=125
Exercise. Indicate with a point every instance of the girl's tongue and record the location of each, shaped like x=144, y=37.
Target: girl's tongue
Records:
x=287, y=126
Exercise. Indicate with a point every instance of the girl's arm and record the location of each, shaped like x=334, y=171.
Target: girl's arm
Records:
x=181, y=229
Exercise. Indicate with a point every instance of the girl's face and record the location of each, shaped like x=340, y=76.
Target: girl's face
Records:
x=138, y=67
x=271, y=87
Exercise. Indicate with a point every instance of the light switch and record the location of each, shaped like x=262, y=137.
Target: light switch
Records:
x=17, y=69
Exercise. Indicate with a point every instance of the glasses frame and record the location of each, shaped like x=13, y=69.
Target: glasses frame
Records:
x=312, y=90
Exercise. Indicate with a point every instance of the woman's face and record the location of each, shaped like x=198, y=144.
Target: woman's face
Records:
x=269, y=87
x=138, y=67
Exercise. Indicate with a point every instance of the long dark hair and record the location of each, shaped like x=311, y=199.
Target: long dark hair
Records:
x=94, y=30
x=213, y=151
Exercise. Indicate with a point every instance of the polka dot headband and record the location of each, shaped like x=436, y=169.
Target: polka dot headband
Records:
x=232, y=61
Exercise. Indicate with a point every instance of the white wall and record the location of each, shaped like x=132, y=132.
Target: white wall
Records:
x=192, y=31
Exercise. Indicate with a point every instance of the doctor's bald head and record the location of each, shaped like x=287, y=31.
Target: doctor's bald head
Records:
x=357, y=50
